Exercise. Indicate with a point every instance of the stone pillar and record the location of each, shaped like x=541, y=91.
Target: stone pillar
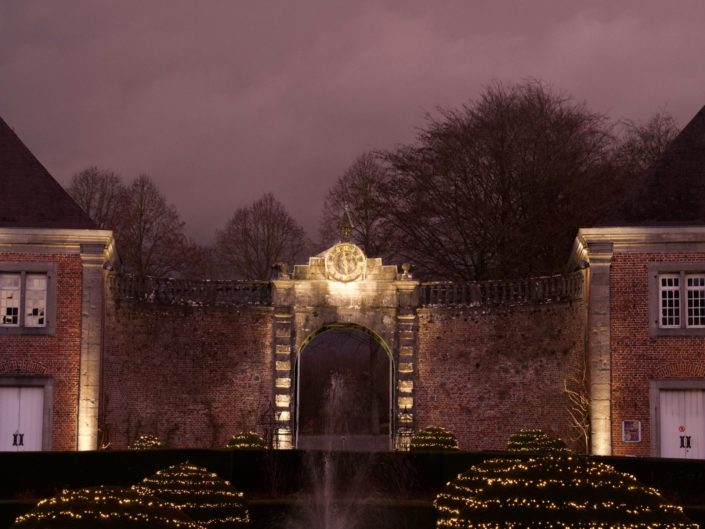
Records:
x=406, y=363
x=92, y=284
x=599, y=355
x=283, y=365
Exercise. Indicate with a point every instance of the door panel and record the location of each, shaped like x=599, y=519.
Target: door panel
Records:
x=682, y=423
x=9, y=412
x=21, y=418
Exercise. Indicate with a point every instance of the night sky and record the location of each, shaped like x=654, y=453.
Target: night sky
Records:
x=221, y=101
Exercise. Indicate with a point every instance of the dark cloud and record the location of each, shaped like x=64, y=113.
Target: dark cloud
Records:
x=221, y=101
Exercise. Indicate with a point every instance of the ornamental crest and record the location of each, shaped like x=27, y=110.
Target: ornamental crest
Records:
x=345, y=262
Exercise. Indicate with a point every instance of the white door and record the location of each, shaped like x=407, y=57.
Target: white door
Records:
x=21, y=418
x=682, y=423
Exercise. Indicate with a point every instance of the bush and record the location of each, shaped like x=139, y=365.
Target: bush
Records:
x=535, y=442
x=558, y=490
x=146, y=442
x=200, y=494
x=103, y=508
x=433, y=438
x=246, y=441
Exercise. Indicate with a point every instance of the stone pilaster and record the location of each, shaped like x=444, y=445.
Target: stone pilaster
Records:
x=92, y=300
x=599, y=357
x=406, y=355
x=282, y=343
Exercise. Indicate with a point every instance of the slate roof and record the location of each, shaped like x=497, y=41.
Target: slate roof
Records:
x=29, y=195
x=672, y=190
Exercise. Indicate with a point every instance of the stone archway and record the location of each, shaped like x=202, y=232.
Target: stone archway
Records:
x=342, y=288
x=343, y=390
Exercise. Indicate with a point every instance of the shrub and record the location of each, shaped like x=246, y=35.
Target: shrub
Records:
x=433, y=438
x=146, y=442
x=200, y=494
x=246, y=441
x=535, y=442
x=103, y=508
x=552, y=491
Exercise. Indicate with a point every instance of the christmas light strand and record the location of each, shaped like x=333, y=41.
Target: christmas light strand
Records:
x=246, y=441
x=552, y=490
x=199, y=493
x=433, y=438
x=146, y=442
x=104, y=508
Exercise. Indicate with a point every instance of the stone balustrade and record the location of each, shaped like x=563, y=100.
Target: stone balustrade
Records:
x=533, y=290
x=170, y=291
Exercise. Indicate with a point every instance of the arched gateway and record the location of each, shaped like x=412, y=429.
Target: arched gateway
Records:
x=343, y=390
x=342, y=290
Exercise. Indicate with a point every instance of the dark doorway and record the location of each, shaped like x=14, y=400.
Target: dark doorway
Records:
x=344, y=391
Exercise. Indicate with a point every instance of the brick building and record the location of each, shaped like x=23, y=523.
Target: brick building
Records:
x=51, y=297
x=93, y=357
x=646, y=346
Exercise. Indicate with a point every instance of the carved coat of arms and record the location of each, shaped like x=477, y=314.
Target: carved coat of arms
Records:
x=345, y=262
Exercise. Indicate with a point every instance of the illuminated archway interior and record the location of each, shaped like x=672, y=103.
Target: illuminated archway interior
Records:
x=343, y=390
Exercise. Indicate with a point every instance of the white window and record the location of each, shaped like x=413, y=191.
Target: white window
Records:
x=35, y=300
x=695, y=290
x=669, y=287
x=23, y=300
x=677, y=299
x=27, y=298
x=10, y=299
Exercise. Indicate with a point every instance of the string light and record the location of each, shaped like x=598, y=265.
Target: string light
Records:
x=199, y=493
x=146, y=442
x=551, y=490
x=435, y=438
x=103, y=508
x=535, y=441
x=246, y=441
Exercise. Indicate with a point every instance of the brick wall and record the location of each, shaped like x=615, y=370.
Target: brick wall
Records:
x=484, y=374
x=638, y=358
x=193, y=376
x=56, y=356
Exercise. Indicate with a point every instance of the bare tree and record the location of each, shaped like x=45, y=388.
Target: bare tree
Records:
x=100, y=193
x=575, y=387
x=499, y=187
x=643, y=143
x=361, y=190
x=257, y=237
x=150, y=233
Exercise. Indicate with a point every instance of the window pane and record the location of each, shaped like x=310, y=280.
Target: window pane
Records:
x=695, y=289
x=35, y=300
x=669, y=293
x=10, y=300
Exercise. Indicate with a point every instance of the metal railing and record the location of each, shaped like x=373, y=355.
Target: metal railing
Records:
x=532, y=290
x=169, y=291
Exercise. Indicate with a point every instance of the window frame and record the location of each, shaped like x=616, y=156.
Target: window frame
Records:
x=683, y=270
x=24, y=269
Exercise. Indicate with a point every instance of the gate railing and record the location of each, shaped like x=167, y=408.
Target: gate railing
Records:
x=533, y=290
x=169, y=291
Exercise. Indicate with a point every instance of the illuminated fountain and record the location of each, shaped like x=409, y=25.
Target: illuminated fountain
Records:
x=340, y=487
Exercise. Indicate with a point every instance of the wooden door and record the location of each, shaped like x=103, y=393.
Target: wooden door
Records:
x=21, y=418
x=682, y=423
